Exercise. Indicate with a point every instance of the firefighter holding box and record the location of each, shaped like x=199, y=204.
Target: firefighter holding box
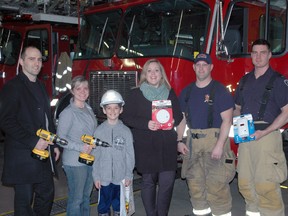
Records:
x=261, y=163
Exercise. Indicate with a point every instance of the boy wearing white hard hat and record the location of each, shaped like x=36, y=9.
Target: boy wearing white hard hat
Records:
x=114, y=164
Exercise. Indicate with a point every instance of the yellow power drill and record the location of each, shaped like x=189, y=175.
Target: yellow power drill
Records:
x=49, y=137
x=90, y=140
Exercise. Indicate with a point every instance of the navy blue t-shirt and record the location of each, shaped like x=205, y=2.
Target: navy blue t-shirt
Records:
x=249, y=98
x=198, y=104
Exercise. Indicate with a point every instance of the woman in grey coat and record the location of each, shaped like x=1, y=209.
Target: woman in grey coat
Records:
x=76, y=120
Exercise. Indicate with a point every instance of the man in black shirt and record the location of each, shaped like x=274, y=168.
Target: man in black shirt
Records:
x=24, y=108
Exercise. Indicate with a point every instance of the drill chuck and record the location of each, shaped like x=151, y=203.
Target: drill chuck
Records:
x=61, y=141
x=99, y=142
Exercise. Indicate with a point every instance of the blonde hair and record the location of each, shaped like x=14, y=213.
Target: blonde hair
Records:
x=164, y=79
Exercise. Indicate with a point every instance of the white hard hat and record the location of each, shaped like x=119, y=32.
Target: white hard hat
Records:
x=111, y=97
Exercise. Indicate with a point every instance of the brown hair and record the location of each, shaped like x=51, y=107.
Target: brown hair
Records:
x=78, y=79
x=23, y=53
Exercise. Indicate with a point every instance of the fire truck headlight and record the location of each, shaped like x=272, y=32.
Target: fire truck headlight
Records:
x=3, y=74
x=53, y=102
x=231, y=132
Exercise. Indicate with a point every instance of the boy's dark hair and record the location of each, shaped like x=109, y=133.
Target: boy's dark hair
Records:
x=119, y=104
x=262, y=42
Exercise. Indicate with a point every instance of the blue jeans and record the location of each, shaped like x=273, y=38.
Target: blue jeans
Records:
x=80, y=184
x=109, y=195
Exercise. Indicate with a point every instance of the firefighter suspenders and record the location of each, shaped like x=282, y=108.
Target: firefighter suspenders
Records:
x=210, y=110
x=266, y=95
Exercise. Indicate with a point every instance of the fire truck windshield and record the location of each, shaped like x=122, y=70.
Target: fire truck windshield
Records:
x=10, y=42
x=160, y=28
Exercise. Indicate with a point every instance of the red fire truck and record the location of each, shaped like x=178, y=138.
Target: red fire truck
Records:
x=52, y=34
x=116, y=39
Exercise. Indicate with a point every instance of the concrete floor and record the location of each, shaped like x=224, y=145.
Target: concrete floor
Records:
x=180, y=204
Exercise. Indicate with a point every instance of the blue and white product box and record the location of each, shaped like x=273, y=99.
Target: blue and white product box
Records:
x=243, y=128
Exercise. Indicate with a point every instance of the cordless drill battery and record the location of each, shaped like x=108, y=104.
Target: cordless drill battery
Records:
x=41, y=155
x=86, y=159
x=90, y=140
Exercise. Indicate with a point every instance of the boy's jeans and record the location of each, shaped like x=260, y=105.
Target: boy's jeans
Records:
x=109, y=195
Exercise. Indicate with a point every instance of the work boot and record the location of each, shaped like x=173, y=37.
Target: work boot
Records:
x=227, y=214
x=115, y=213
x=209, y=214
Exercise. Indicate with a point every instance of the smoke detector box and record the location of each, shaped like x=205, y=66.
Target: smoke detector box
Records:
x=243, y=128
x=162, y=113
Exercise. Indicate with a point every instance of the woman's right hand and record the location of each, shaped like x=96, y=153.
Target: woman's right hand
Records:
x=87, y=148
x=153, y=125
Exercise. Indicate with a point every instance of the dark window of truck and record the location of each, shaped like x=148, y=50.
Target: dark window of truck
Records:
x=98, y=35
x=38, y=38
x=165, y=28
x=248, y=22
x=10, y=42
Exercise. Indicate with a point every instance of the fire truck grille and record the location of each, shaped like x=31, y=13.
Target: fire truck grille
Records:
x=101, y=81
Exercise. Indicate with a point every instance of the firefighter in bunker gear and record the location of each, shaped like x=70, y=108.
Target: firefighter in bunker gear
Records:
x=208, y=162
x=261, y=163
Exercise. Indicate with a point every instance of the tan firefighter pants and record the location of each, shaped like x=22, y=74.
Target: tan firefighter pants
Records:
x=208, y=179
x=261, y=168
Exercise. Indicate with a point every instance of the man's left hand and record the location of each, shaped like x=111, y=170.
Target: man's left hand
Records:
x=258, y=134
x=57, y=153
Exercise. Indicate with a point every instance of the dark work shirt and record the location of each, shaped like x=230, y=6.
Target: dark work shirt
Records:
x=249, y=98
x=198, y=105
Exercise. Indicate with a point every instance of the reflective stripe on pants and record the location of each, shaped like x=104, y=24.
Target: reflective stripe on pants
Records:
x=208, y=179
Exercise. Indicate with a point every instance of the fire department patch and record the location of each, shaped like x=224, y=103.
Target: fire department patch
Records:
x=208, y=100
x=286, y=82
x=207, y=97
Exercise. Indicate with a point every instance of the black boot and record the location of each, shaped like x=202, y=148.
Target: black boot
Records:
x=116, y=213
x=106, y=214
